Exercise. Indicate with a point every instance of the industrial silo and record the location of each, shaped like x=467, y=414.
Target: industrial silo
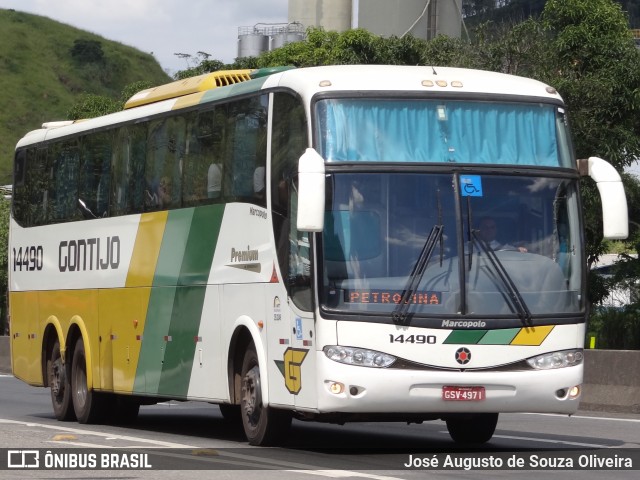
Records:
x=328, y=14
x=292, y=32
x=251, y=42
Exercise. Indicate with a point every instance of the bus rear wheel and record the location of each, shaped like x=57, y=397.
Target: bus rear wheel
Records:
x=87, y=404
x=262, y=425
x=472, y=428
x=58, y=378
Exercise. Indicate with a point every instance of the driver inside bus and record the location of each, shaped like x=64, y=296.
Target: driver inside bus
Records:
x=488, y=232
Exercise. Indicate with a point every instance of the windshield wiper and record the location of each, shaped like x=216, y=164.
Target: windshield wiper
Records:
x=400, y=313
x=516, y=302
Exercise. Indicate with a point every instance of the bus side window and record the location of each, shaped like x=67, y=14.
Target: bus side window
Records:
x=30, y=190
x=246, y=150
x=127, y=166
x=197, y=150
x=95, y=173
x=64, y=160
x=165, y=153
x=202, y=166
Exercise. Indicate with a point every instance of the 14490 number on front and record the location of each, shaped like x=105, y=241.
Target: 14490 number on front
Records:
x=428, y=339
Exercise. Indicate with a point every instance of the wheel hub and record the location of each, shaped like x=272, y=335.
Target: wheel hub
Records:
x=57, y=377
x=251, y=396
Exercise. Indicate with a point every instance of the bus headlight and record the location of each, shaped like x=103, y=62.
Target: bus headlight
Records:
x=358, y=356
x=564, y=358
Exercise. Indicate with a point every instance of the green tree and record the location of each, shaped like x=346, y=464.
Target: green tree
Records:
x=596, y=68
x=90, y=105
x=87, y=51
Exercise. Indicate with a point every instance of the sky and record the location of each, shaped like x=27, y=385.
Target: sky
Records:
x=163, y=27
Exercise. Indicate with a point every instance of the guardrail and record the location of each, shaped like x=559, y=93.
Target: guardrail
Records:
x=611, y=381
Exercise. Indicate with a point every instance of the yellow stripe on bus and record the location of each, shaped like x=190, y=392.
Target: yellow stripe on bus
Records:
x=188, y=101
x=146, y=249
x=532, y=336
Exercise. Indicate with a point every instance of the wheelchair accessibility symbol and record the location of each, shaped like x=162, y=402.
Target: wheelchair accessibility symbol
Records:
x=471, y=185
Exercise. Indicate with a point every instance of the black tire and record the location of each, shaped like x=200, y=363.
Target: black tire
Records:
x=262, y=425
x=472, y=428
x=89, y=405
x=58, y=380
x=231, y=413
x=125, y=411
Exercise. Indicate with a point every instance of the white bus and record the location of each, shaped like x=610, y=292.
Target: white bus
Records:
x=308, y=243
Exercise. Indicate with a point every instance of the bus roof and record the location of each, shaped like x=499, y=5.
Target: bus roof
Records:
x=307, y=82
x=411, y=79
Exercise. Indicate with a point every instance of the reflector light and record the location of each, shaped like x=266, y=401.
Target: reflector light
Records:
x=336, y=388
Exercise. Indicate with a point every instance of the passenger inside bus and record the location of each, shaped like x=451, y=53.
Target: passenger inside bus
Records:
x=214, y=180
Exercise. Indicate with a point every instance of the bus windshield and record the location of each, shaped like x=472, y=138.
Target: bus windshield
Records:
x=442, y=131
x=503, y=245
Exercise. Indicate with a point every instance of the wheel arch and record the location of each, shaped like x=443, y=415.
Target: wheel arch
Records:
x=245, y=332
x=77, y=330
x=52, y=332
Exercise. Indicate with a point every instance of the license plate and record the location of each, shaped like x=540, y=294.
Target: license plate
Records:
x=463, y=394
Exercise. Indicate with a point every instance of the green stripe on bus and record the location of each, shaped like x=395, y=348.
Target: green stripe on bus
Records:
x=154, y=339
x=203, y=237
x=189, y=300
x=499, y=337
x=465, y=337
x=174, y=244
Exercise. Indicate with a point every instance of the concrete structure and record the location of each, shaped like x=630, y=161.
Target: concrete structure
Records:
x=422, y=19
x=611, y=382
x=328, y=14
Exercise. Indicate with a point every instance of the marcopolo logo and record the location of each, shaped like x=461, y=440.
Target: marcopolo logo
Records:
x=463, y=324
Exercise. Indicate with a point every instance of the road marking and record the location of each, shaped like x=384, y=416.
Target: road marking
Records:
x=544, y=440
x=585, y=417
x=98, y=434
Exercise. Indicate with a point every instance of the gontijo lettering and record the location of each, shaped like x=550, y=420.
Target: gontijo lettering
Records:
x=89, y=254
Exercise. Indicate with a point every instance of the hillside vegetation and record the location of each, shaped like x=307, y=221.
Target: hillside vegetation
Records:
x=45, y=65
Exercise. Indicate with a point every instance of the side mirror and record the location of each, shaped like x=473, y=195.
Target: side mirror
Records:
x=615, y=220
x=311, y=181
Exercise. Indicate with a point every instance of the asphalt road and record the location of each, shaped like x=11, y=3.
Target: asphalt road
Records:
x=191, y=440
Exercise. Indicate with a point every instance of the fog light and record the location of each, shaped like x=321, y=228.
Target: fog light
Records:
x=336, y=388
x=574, y=392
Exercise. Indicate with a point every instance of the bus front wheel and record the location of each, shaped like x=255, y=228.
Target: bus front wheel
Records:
x=87, y=404
x=58, y=378
x=472, y=428
x=262, y=425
